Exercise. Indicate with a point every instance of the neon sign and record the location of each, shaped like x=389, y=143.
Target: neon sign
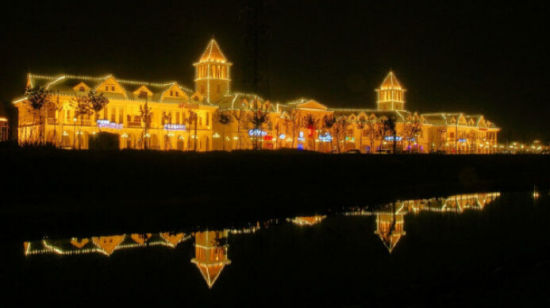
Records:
x=108, y=124
x=391, y=138
x=174, y=126
x=282, y=136
x=462, y=140
x=256, y=133
x=326, y=137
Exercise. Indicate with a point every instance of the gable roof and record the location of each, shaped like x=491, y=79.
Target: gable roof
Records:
x=65, y=85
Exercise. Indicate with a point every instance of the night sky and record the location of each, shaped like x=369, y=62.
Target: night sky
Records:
x=489, y=58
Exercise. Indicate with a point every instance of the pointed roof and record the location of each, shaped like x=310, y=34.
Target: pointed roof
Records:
x=212, y=53
x=391, y=82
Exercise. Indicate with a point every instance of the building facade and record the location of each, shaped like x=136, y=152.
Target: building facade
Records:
x=213, y=117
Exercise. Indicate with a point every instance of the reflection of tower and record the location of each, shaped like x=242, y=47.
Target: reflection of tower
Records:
x=212, y=76
x=390, y=95
x=390, y=228
x=211, y=254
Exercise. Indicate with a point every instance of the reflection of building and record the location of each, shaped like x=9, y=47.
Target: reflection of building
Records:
x=211, y=254
x=307, y=220
x=106, y=245
x=185, y=119
x=390, y=219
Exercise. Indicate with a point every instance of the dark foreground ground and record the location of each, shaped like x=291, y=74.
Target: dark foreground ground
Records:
x=56, y=191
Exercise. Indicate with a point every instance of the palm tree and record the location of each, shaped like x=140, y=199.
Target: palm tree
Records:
x=82, y=108
x=328, y=123
x=258, y=119
x=389, y=126
x=145, y=112
x=97, y=103
x=361, y=125
x=224, y=120
x=311, y=123
x=38, y=97
x=340, y=130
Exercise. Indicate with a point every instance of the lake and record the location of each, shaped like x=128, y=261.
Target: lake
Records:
x=485, y=249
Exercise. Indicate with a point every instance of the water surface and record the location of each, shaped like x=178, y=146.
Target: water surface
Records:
x=490, y=248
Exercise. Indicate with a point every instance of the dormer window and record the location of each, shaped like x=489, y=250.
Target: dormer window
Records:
x=106, y=88
x=177, y=94
x=171, y=93
x=113, y=88
x=81, y=89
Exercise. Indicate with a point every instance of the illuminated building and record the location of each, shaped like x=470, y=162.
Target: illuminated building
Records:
x=229, y=120
x=211, y=254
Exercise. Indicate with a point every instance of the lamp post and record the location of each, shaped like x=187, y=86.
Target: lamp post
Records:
x=74, y=133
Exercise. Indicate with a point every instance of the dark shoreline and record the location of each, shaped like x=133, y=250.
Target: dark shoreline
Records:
x=60, y=192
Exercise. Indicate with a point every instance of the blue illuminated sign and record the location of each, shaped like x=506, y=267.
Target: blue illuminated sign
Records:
x=256, y=133
x=174, y=127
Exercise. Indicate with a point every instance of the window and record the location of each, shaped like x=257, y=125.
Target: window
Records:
x=171, y=93
x=81, y=89
x=177, y=93
x=106, y=88
x=113, y=88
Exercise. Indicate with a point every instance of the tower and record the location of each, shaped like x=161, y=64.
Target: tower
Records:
x=212, y=73
x=390, y=95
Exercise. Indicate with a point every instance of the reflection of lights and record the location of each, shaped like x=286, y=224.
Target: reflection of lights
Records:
x=216, y=135
x=235, y=138
x=65, y=133
x=181, y=138
x=124, y=135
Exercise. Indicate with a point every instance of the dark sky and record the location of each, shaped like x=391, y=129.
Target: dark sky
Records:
x=485, y=57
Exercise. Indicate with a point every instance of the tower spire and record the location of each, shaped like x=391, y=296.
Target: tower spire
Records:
x=390, y=94
x=212, y=75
